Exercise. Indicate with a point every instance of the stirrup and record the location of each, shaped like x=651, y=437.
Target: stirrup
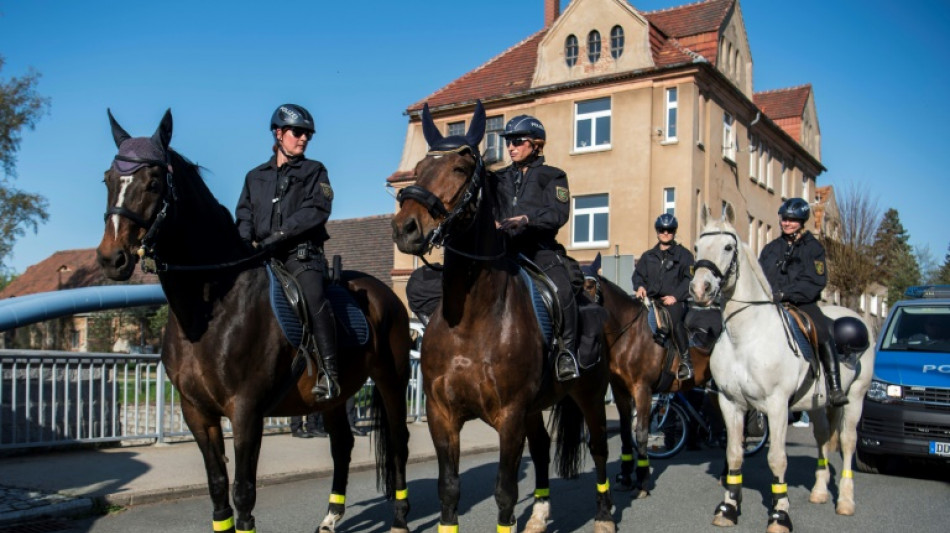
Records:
x=684, y=372
x=566, y=366
x=326, y=388
x=837, y=398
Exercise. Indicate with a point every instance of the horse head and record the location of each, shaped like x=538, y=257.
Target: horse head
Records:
x=139, y=186
x=717, y=255
x=591, y=279
x=448, y=183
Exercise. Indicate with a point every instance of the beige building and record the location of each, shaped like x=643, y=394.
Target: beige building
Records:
x=648, y=113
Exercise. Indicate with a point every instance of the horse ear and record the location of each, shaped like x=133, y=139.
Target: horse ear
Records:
x=429, y=131
x=118, y=134
x=476, y=130
x=595, y=264
x=729, y=213
x=163, y=134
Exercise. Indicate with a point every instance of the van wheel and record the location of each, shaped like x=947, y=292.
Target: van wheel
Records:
x=868, y=462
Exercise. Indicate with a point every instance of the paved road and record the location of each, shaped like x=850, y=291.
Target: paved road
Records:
x=686, y=492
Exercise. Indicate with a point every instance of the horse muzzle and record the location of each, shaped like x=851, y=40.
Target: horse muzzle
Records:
x=409, y=236
x=704, y=288
x=117, y=264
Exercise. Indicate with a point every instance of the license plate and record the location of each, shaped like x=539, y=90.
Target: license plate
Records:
x=940, y=448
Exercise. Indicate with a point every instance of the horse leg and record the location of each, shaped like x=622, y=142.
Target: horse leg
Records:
x=511, y=436
x=644, y=403
x=846, y=421
x=779, y=520
x=392, y=443
x=539, y=445
x=444, y=430
x=624, y=479
x=248, y=429
x=210, y=439
x=728, y=511
x=822, y=432
x=341, y=448
x=592, y=407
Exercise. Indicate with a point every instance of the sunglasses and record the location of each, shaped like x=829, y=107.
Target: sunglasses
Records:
x=787, y=219
x=518, y=141
x=300, y=132
x=671, y=232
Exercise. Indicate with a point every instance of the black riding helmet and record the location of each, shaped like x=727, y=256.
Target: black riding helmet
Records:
x=525, y=126
x=291, y=116
x=795, y=208
x=666, y=221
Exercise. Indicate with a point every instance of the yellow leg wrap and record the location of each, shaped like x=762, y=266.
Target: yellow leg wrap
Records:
x=542, y=493
x=734, y=480
x=626, y=457
x=602, y=488
x=503, y=529
x=337, y=498
x=847, y=474
x=449, y=529
x=223, y=525
x=643, y=462
x=823, y=462
x=402, y=494
x=246, y=530
x=779, y=488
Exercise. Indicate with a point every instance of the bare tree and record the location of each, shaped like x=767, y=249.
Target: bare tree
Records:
x=849, y=249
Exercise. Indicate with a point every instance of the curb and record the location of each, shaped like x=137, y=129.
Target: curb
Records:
x=72, y=507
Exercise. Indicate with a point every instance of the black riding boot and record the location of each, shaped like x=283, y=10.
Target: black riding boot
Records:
x=324, y=335
x=829, y=360
x=682, y=342
x=566, y=364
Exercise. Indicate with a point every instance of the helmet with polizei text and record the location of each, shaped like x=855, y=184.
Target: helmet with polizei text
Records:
x=291, y=116
x=526, y=126
x=666, y=221
x=795, y=208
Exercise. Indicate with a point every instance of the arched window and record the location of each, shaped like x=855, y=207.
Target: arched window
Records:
x=570, y=50
x=616, y=42
x=593, y=46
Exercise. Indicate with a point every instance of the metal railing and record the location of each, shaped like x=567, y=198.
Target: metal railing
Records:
x=50, y=398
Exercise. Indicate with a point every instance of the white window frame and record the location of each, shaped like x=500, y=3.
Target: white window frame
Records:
x=728, y=138
x=753, y=236
x=494, y=144
x=784, y=180
x=806, y=192
x=769, y=182
x=753, y=158
x=589, y=212
x=669, y=201
x=672, y=114
x=455, y=128
x=592, y=117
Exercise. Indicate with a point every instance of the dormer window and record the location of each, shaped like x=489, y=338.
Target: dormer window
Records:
x=570, y=50
x=593, y=46
x=616, y=42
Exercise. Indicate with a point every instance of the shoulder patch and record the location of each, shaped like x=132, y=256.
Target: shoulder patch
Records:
x=820, y=267
x=563, y=195
x=327, y=190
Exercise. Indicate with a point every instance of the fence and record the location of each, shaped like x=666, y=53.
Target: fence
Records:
x=50, y=398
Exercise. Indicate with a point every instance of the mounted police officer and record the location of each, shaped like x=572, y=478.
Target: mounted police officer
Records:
x=283, y=209
x=533, y=204
x=663, y=274
x=794, y=264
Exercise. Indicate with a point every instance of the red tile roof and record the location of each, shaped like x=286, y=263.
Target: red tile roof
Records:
x=365, y=244
x=68, y=269
x=783, y=103
x=691, y=19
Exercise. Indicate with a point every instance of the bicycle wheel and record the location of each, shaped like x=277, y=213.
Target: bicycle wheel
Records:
x=667, y=433
x=756, y=432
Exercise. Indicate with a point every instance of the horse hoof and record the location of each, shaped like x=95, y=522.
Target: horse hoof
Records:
x=329, y=523
x=819, y=497
x=722, y=521
x=604, y=526
x=845, y=508
x=398, y=530
x=777, y=528
x=623, y=485
x=535, y=525
x=641, y=494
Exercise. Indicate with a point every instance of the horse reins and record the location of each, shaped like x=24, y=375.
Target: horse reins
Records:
x=733, y=267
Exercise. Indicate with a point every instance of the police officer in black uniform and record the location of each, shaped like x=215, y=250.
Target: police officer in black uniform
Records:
x=663, y=274
x=533, y=204
x=794, y=264
x=284, y=208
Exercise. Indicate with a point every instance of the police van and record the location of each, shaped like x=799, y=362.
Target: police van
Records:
x=907, y=408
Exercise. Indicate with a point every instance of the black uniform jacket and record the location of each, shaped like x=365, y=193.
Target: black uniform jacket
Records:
x=295, y=199
x=805, y=275
x=543, y=195
x=664, y=273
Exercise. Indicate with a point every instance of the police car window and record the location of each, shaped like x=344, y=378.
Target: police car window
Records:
x=919, y=329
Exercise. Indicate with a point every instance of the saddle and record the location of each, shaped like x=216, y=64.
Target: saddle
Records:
x=658, y=317
x=804, y=336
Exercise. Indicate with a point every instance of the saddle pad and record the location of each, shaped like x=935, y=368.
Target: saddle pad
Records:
x=540, y=311
x=651, y=320
x=803, y=345
x=351, y=327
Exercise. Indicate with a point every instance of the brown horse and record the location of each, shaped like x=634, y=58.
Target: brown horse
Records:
x=223, y=348
x=483, y=351
x=637, y=368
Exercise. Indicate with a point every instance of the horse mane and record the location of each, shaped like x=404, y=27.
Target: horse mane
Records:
x=191, y=188
x=750, y=257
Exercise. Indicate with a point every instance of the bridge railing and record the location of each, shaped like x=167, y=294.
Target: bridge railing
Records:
x=51, y=398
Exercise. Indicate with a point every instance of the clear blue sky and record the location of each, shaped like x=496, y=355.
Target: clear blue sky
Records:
x=878, y=69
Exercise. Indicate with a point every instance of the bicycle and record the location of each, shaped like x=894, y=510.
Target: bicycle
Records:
x=672, y=416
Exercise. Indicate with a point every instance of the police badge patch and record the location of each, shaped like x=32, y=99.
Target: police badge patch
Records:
x=820, y=267
x=562, y=194
x=327, y=190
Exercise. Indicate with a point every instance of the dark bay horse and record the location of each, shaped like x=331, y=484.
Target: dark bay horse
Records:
x=636, y=367
x=223, y=348
x=483, y=351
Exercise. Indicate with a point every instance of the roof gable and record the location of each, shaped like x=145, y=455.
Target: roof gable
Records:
x=783, y=103
x=691, y=19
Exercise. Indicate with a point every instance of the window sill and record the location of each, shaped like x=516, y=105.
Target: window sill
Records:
x=591, y=149
x=666, y=142
x=729, y=159
x=590, y=245
x=700, y=145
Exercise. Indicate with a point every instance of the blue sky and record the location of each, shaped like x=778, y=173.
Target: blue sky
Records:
x=878, y=69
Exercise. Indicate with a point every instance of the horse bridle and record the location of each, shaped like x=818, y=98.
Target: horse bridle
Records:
x=712, y=267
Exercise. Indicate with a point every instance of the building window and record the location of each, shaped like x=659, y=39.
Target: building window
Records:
x=591, y=218
x=784, y=180
x=494, y=147
x=592, y=124
x=763, y=157
x=593, y=46
x=701, y=122
x=806, y=189
x=669, y=201
x=616, y=42
x=456, y=128
x=671, y=109
x=752, y=234
x=570, y=50
x=753, y=158
x=728, y=138
x=769, y=183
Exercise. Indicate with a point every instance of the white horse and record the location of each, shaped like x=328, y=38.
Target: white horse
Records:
x=756, y=368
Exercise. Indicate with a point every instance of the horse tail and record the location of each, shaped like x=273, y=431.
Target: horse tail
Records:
x=382, y=441
x=567, y=423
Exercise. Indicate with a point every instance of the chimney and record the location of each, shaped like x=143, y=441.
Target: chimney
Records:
x=552, y=8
